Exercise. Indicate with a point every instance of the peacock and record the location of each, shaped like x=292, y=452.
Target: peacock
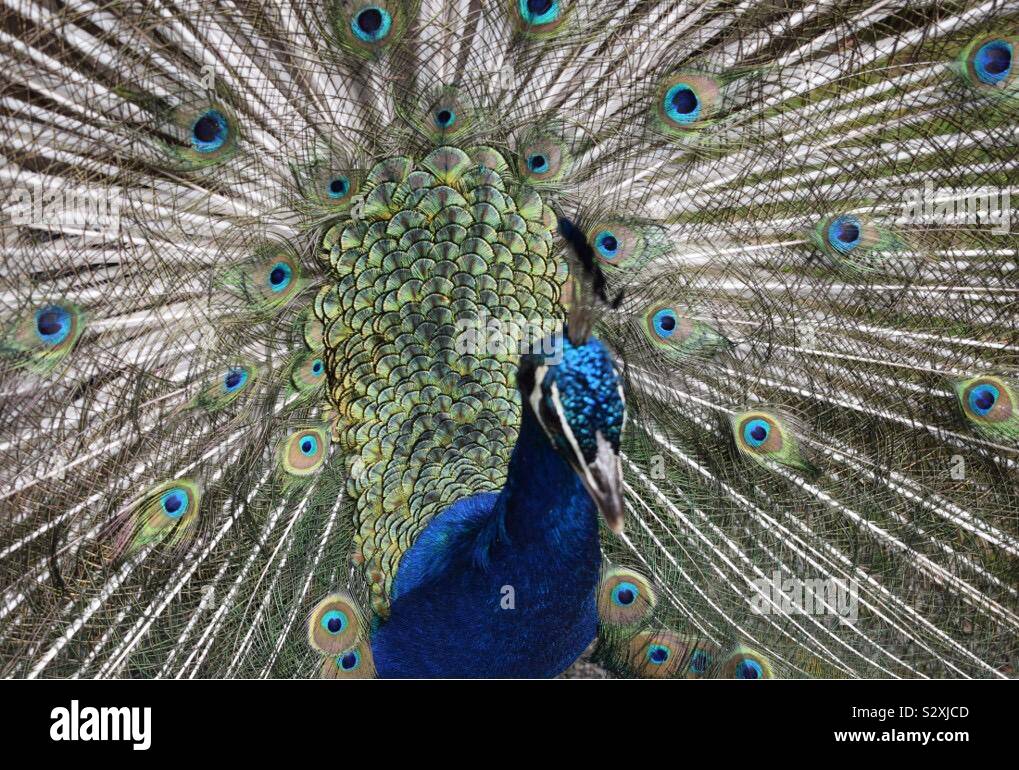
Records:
x=407, y=338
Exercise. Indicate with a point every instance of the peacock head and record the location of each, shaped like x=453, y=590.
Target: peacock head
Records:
x=577, y=399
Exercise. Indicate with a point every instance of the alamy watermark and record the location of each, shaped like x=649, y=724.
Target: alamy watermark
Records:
x=814, y=596
x=91, y=723
x=91, y=209
x=932, y=205
x=486, y=335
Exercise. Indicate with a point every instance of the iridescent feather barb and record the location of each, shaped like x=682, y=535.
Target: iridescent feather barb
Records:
x=243, y=244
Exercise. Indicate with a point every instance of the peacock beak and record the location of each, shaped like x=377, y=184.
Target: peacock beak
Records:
x=603, y=480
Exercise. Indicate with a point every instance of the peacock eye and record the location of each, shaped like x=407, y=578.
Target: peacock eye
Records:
x=304, y=451
x=664, y=322
x=756, y=432
x=235, y=379
x=334, y=621
x=657, y=654
x=982, y=398
x=681, y=103
x=338, y=187
x=209, y=132
x=445, y=118
x=993, y=61
x=749, y=669
x=53, y=324
x=279, y=276
x=349, y=661
x=316, y=367
x=539, y=12
x=607, y=244
x=844, y=233
x=537, y=163
x=371, y=24
x=175, y=502
x=625, y=594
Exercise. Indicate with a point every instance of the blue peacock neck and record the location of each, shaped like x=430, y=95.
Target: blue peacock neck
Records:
x=538, y=536
x=543, y=503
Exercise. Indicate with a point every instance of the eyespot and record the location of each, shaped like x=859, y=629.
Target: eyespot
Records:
x=334, y=626
x=445, y=118
x=982, y=398
x=543, y=159
x=625, y=594
x=309, y=446
x=209, y=131
x=43, y=337
x=355, y=663
x=756, y=432
x=759, y=433
x=687, y=101
x=681, y=104
x=53, y=324
x=765, y=437
x=745, y=663
x=348, y=661
x=337, y=187
x=334, y=622
x=270, y=279
x=607, y=244
x=307, y=372
x=625, y=598
x=538, y=11
x=175, y=502
x=279, y=276
x=678, y=336
x=992, y=62
x=540, y=17
x=844, y=233
x=665, y=322
x=235, y=379
x=371, y=23
x=989, y=402
x=616, y=245
x=856, y=242
x=657, y=654
x=166, y=512
x=304, y=451
x=368, y=30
